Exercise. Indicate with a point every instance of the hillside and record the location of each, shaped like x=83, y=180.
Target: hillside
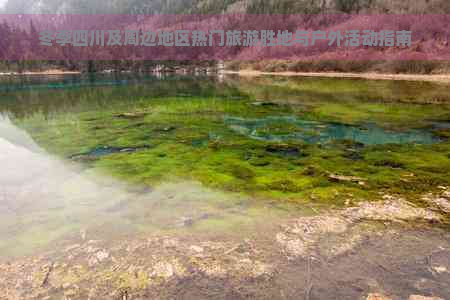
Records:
x=227, y=6
x=242, y=6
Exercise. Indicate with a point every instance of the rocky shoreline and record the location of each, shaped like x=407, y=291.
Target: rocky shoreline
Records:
x=441, y=78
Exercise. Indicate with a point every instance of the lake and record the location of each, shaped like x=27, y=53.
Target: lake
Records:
x=110, y=156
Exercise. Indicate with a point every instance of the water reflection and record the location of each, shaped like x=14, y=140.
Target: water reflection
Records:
x=41, y=197
x=44, y=200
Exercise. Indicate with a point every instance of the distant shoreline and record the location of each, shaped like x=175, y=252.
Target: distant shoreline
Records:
x=441, y=78
x=47, y=72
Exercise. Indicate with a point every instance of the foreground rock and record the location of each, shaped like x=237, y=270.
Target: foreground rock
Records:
x=333, y=235
x=301, y=237
x=390, y=210
x=440, y=201
x=128, y=268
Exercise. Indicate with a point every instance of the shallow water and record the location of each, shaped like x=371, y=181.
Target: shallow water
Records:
x=320, y=132
x=107, y=156
x=45, y=199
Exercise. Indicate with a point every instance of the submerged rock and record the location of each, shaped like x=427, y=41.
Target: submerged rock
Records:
x=98, y=257
x=446, y=194
x=167, y=269
x=130, y=115
x=259, y=162
x=443, y=204
x=342, y=178
x=299, y=238
x=388, y=163
x=376, y=296
x=390, y=210
x=190, y=221
x=333, y=235
x=264, y=103
x=441, y=201
x=283, y=149
x=105, y=150
x=353, y=154
x=185, y=222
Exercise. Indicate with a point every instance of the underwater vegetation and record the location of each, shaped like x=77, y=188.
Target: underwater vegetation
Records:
x=273, y=138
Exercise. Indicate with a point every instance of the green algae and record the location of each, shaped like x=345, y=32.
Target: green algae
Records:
x=215, y=133
x=222, y=141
